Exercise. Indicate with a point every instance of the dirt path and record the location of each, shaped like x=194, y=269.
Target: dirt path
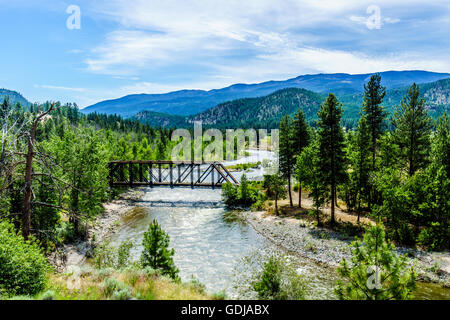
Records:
x=307, y=203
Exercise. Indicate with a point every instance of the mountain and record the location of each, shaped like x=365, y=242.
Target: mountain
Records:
x=14, y=97
x=189, y=102
x=157, y=119
x=261, y=112
x=436, y=94
x=266, y=111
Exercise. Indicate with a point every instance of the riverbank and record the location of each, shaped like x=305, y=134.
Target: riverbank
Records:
x=74, y=254
x=327, y=247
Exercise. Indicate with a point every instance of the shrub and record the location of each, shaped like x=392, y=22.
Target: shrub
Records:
x=110, y=285
x=156, y=253
x=123, y=294
x=23, y=267
x=123, y=254
x=279, y=281
x=245, y=195
x=106, y=256
x=432, y=238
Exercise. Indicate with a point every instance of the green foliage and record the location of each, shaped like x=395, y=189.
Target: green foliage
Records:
x=287, y=152
x=246, y=194
x=106, y=256
x=360, y=166
x=374, y=94
x=278, y=281
x=412, y=128
x=123, y=254
x=275, y=187
x=23, y=267
x=375, y=271
x=331, y=158
x=308, y=171
x=156, y=253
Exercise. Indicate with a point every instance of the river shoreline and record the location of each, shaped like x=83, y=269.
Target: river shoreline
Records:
x=296, y=236
x=75, y=254
x=328, y=247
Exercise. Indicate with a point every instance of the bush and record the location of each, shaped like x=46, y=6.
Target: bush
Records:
x=106, y=256
x=123, y=294
x=279, y=281
x=110, y=285
x=432, y=238
x=246, y=194
x=123, y=254
x=23, y=267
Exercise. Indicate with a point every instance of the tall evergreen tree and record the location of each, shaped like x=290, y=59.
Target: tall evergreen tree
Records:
x=287, y=153
x=360, y=161
x=301, y=140
x=309, y=172
x=332, y=158
x=374, y=94
x=412, y=130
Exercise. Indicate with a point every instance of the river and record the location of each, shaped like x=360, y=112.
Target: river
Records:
x=211, y=241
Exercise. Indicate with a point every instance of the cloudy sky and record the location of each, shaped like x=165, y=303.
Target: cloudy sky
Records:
x=119, y=47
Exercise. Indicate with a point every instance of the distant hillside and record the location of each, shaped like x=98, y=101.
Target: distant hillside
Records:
x=189, y=102
x=261, y=112
x=14, y=97
x=266, y=111
x=156, y=119
x=437, y=95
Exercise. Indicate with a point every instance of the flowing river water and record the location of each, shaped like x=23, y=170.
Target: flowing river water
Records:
x=211, y=241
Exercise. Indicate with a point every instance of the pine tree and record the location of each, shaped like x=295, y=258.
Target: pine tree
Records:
x=309, y=172
x=287, y=153
x=375, y=272
x=275, y=188
x=441, y=144
x=156, y=253
x=374, y=94
x=360, y=160
x=412, y=130
x=301, y=140
x=332, y=160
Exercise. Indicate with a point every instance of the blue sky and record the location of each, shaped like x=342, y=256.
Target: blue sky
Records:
x=125, y=47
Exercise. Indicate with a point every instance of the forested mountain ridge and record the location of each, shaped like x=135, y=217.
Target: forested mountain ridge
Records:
x=261, y=112
x=267, y=111
x=14, y=97
x=190, y=102
x=436, y=94
x=164, y=120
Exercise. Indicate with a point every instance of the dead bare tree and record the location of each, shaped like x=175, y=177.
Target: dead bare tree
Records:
x=29, y=156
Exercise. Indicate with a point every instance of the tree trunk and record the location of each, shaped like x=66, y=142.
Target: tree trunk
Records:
x=299, y=194
x=276, y=204
x=290, y=192
x=26, y=216
x=333, y=192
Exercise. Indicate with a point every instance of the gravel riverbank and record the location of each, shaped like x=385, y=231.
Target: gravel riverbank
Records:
x=329, y=248
x=74, y=254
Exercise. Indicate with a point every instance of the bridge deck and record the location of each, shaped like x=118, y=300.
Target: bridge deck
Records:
x=168, y=173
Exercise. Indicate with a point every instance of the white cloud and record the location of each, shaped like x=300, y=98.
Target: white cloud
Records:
x=246, y=41
x=51, y=87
